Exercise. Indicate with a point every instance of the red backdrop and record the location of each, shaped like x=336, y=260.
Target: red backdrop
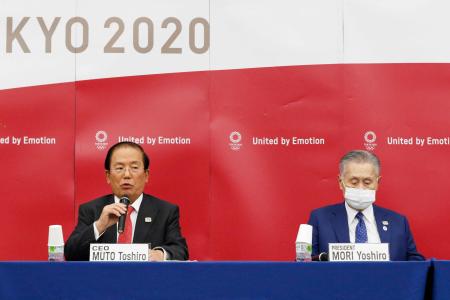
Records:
x=241, y=204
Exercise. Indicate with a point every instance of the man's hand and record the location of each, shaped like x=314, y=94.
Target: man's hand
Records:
x=156, y=255
x=110, y=216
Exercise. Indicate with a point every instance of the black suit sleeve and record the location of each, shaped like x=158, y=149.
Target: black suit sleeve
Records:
x=77, y=246
x=174, y=242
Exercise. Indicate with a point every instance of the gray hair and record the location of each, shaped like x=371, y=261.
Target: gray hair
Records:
x=359, y=156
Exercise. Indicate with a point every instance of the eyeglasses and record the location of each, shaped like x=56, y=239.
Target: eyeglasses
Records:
x=122, y=170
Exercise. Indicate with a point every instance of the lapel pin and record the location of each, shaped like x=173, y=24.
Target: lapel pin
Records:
x=148, y=219
x=385, y=228
x=385, y=223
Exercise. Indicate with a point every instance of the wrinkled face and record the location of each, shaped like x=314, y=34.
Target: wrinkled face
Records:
x=361, y=175
x=127, y=175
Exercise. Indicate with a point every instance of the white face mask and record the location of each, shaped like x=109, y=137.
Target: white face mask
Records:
x=359, y=198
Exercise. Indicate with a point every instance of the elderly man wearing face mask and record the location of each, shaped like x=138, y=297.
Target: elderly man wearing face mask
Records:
x=358, y=220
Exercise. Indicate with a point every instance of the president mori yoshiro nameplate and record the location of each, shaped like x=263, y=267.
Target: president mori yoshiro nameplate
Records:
x=358, y=252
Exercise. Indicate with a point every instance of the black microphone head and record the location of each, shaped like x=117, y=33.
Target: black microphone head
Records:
x=125, y=200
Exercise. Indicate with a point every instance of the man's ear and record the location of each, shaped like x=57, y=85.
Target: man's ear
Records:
x=147, y=174
x=340, y=182
x=379, y=179
x=107, y=174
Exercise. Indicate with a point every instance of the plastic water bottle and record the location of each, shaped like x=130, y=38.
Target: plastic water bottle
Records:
x=303, y=243
x=55, y=243
x=303, y=251
x=55, y=253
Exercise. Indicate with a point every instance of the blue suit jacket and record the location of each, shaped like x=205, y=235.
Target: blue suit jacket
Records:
x=330, y=225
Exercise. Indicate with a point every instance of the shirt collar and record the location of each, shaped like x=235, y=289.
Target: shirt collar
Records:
x=136, y=204
x=368, y=213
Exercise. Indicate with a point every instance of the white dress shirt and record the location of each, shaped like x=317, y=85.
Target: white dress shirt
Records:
x=369, y=220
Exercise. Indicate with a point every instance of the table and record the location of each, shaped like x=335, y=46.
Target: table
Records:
x=441, y=279
x=214, y=280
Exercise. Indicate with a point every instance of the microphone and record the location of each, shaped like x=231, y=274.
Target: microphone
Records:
x=122, y=218
x=321, y=257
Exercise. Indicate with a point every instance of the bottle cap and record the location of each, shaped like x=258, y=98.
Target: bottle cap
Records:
x=55, y=236
x=305, y=234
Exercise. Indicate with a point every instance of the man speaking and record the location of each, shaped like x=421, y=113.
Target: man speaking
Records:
x=358, y=220
x=148, y=219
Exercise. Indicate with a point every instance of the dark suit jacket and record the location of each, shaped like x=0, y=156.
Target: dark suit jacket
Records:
x=330, y=225
x=162, y=231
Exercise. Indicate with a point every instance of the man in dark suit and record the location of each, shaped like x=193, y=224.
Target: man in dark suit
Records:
x=357, y=220
x=153, y=220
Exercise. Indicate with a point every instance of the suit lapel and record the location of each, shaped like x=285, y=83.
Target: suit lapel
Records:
x=149, y=211
x=381, y=218
x=340, y=224
x=110, y=235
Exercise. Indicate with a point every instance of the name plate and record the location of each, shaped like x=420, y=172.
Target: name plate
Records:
x=119, y=252
x=358, y=252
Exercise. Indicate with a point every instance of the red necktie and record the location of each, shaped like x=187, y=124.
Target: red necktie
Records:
x=125, y=236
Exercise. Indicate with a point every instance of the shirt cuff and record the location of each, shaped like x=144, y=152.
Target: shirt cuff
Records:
x=166, y=255
x=96, y=233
